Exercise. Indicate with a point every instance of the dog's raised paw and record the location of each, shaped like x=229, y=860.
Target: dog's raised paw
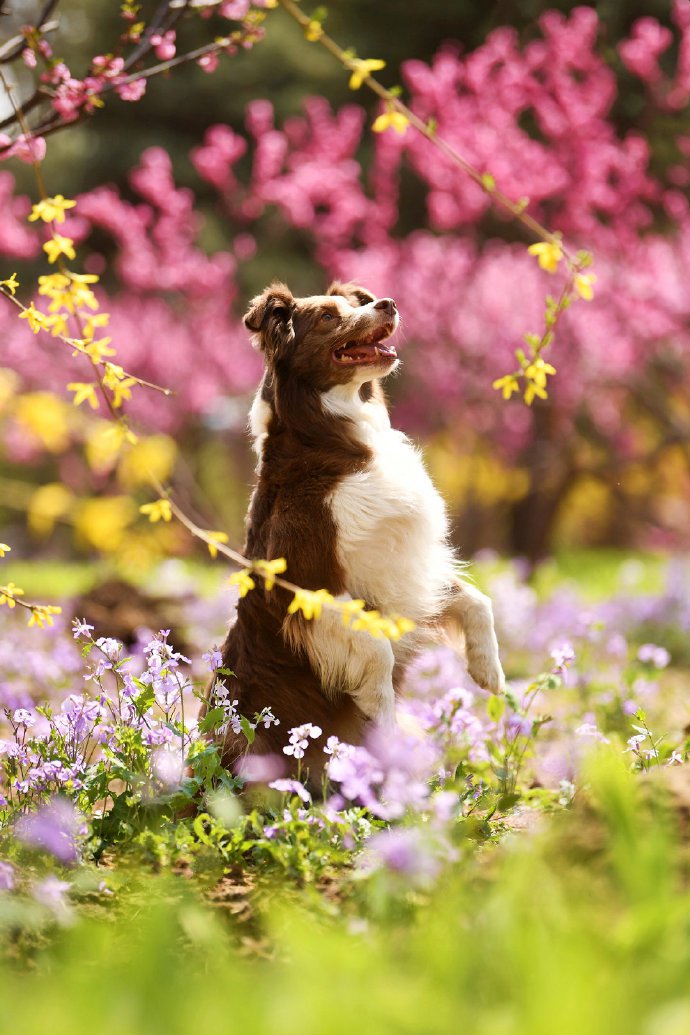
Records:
x=486, y=671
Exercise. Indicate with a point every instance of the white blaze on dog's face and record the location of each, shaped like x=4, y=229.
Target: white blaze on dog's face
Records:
x=338, y=338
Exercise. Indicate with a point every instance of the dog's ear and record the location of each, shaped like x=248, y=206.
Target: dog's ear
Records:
x=353, y=293
x=269, y=317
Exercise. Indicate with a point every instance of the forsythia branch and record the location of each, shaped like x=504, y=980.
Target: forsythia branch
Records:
x=11, y=596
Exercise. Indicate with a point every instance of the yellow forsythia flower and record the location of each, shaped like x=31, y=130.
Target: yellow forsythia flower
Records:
x=533, y=390
x=80, y=295
x=549, y=254
x=583, y=285
x=12, y=284
x=47, y=505
x=243, y=580
x=158, y=510
x=97, y=320
x=9, y=388
x=269, y=570
x=391, y=119
x=507, y=385
x=83, y=393
x=42, y=615
x=8, y=594
x=46, y=417
x=52, y=284
x=59, y=245
x=57, y=323
x=102, y=522
x=404, y=625
x=538, y=372
x=98, y=350
x=310, y=603
x=361, y=70
x=153, y=456
x=37, y=320
x=313, y=31
x=51, y=209
x=104, y=440
x=350, y=609
x=369, y=621
x=114, y=378
x=214, y=539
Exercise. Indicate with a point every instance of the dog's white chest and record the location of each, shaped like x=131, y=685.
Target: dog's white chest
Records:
x=391, y=523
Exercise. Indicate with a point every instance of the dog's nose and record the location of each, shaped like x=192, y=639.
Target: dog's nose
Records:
x=387, y=304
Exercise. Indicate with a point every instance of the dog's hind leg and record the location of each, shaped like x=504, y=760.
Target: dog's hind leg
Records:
x=470, y=610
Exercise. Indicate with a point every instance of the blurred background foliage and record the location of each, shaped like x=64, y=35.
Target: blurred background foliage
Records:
x=562, y=489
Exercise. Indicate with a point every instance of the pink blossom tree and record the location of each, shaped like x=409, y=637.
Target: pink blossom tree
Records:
x=539, y=119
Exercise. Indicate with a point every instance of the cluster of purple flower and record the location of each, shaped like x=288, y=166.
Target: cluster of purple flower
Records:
x=133, y=725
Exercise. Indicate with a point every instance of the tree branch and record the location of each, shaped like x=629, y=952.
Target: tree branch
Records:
x=18, y=43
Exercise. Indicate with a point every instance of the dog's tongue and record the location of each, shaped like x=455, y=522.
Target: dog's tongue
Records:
x=364, y=352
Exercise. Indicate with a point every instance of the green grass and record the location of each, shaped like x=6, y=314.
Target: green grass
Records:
x=595, y=573
x=582, y=929
x=602, y=572
x=58, y=580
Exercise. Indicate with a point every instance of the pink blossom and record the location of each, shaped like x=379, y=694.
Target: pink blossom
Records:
x=27, y=149
x=164, y=44
x=208, y=62
x=641, y=52
x=132, y=91
x=236, y=9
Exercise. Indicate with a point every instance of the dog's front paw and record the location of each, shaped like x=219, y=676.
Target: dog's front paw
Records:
x=378, y=704
x=485, y=669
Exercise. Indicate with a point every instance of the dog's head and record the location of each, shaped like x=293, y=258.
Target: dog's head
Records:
x=326, y=340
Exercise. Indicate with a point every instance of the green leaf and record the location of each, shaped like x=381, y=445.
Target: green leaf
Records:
x=211, y=720
x=247, y=729
x=506, y=801
x=144, y=700
x=495, y=707
x=488, y=182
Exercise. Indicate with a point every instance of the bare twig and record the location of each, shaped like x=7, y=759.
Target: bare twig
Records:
x=18, y=43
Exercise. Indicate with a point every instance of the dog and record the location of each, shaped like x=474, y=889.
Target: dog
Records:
x=347, y=501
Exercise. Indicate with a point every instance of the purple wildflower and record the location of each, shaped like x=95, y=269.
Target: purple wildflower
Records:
x=260, y=768
x=80, y=627
x=405, y=851
x=591, y=730
x=6, y=876
x=336, y=748
x=651, y=654
x=168, y=766
x=53, y=829
x=51, y=892
x=110, y=647
x=299, y=743
x=266, y=718
x=24, y=717
x=213, y=658
x=292, y=787
x=562, y=657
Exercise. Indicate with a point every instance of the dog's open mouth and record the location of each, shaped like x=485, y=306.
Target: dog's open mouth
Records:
x=372, y=349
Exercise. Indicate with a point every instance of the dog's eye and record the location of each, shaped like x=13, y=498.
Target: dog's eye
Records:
x=327, y=316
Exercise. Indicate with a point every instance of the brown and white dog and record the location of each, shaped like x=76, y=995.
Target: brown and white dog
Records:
x=346, y=500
